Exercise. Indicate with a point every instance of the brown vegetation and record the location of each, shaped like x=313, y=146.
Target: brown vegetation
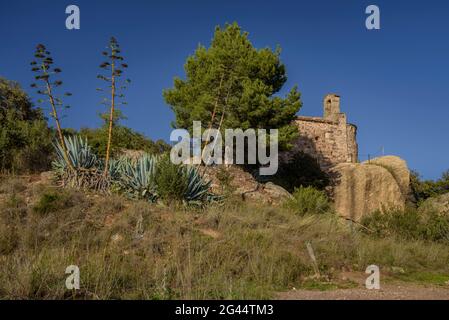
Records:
x=134, y=249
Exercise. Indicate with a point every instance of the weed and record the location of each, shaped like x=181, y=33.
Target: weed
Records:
x=53, y=201
x=308, y=201
x=426, y=278
x=409, y=224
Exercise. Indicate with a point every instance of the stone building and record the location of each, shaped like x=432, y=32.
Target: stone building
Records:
x=330, y=139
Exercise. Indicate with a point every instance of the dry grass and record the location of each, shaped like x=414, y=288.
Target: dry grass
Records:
x=137, y=250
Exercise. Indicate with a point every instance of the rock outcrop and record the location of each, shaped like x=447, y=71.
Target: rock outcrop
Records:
x=398, y=168
x=439, y=204
x=131, y=154
x=361, y=188
x=246, y=186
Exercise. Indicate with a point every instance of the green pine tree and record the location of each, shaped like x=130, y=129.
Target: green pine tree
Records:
x=233, y=85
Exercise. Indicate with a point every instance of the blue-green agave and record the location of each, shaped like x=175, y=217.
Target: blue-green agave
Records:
x=136, y=177
x=197, y=191
x=79, y=153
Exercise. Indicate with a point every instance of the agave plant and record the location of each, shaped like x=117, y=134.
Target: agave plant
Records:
x=197, y=191
x=86, y=173
x=79, y=153
x=115, y=168
x=136, y=178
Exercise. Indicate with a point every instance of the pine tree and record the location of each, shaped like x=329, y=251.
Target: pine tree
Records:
x=114, y=67
x=233, y=85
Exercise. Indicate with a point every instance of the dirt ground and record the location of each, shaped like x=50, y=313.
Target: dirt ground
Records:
x=389, y=290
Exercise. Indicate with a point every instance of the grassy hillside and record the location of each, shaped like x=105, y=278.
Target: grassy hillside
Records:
x=133, y=249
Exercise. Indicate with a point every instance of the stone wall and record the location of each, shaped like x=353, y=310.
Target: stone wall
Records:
x=331, y=140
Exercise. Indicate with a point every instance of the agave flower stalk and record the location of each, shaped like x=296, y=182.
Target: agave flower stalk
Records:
x=44, y=69
x=115, y=66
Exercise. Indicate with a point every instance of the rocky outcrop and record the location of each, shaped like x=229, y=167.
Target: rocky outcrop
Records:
x=398, y=168
x=438, y=204
x=243, y=184
x=276, y=192
x=362, y=188
x=131, y=154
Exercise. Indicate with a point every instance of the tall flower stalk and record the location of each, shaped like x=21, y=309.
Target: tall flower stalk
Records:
x=113, y=68
x=45, y=71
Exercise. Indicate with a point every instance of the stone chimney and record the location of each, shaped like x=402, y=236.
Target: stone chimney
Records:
x=331, y=105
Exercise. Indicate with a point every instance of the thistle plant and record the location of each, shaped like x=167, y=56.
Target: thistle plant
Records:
x=113, y=68
x=45, y=72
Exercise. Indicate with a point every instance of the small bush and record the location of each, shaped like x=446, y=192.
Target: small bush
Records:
x=424, y=189
x=181, y=183
x=170, y=180
x=53, y=201
x=9, y=238
x=436, y=227
x=225, y=178
x=123, y=138
x=309, y=201
x=409, y=224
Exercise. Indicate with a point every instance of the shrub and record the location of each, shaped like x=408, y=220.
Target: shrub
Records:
x=170, y=180
x=301, y=170
x=225, y=178
x=424, y=189
x=408, y=224
x=25, y=139
x=123, y=138
x=181, y=183
x=436, y=227
x=52, y=201
x=308, y=200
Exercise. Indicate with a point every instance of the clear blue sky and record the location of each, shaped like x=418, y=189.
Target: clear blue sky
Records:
x=394, y=83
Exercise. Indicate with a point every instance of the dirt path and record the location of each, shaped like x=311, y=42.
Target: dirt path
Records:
x=388, y=291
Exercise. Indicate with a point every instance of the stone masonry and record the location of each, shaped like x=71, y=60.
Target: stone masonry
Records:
x=330, y=140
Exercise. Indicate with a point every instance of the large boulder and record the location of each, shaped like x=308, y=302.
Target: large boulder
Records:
x=438, y=204
x=362, y=188
x=398, y=169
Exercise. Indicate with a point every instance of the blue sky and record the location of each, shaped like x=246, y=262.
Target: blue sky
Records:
x=393, y=82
